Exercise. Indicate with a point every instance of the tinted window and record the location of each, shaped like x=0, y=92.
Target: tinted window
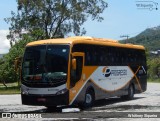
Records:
x=106, y=55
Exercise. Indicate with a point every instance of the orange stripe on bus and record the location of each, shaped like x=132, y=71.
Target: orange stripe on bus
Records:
x=136, y=77
x=87, y=71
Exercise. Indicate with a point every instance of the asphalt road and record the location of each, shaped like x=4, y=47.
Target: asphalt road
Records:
x=145, y=106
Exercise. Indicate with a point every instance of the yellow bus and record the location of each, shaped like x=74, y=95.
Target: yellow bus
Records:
x=79, y=70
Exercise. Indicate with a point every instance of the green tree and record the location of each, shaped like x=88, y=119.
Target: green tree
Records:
x=44, y=19
x=154, y=67
x=7, y=67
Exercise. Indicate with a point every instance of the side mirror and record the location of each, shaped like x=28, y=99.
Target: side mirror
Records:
x=15, y=65
x=17, y=62
x=74, y=64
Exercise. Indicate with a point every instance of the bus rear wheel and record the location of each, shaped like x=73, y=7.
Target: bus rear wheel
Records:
x=130, y=95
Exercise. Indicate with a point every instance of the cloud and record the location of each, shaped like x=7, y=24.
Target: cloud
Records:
x=4, y=42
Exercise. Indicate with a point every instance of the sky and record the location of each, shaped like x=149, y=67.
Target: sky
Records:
x=121, y=17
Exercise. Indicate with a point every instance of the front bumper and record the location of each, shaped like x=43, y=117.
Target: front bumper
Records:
x=46, y=100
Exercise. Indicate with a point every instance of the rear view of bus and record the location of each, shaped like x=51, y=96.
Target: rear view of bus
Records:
x=44, y=75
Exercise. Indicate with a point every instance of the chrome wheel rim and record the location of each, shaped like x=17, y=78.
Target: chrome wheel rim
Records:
x=88, y=98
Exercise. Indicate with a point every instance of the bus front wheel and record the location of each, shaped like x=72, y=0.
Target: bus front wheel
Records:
x=51, y=108
x=89, y=99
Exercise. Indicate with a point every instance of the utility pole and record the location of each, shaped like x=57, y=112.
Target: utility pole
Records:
x=126, y=36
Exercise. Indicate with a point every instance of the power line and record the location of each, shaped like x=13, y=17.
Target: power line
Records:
x=125, y=36
x=122, y=36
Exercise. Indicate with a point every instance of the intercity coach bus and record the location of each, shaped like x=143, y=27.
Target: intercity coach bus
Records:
x=79, y=70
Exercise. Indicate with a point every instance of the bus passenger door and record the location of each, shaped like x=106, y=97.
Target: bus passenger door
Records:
x=76, y=81
x=76, y=67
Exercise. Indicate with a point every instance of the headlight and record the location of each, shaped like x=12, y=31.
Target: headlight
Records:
x=24, y=90
x=62, y=91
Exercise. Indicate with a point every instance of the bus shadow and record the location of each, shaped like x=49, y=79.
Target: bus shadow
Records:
x=104, y=103
x=110, y=101
x=98, y=104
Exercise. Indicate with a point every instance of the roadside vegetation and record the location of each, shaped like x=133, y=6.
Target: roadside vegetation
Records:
x=154, y=80
x=153, y=63
x=12, y=88
x=43, y=19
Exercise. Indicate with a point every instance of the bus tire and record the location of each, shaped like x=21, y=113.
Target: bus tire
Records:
x=89, y=99
x=130, y=95
x=51, y=108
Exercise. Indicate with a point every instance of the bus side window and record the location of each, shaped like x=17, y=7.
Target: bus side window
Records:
x=144, y=58
x=109, y=57
x=122, y=57
x=101, y=60
x=112, y=56
x=95, y=59
x=117, y=57
x=138, y=58
x=88, y=58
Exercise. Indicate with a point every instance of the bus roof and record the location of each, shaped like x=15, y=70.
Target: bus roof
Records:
x=85, y=40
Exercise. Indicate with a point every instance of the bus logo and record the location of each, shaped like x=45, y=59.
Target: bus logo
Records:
x=106, y=72
x=114, y=72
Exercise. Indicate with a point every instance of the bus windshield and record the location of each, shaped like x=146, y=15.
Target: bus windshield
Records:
x=45, y=63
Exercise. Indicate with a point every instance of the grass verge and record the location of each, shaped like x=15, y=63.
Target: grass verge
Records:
x=12, y=88
x=156, y=80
